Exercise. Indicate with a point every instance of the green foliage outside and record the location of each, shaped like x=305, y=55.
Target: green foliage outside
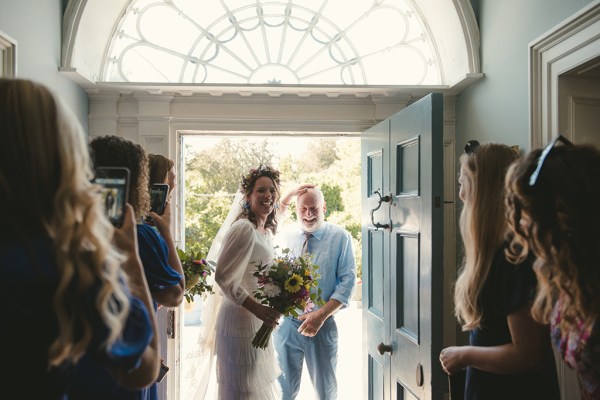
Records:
x=212, y=175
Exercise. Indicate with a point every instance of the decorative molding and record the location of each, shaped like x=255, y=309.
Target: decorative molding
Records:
x=586, y=107
x=566, y=46
x=155, y=144
x=468, y=21
x=8, y=56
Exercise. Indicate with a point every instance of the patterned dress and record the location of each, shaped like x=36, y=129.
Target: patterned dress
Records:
x=580, y=349
x=243, y=372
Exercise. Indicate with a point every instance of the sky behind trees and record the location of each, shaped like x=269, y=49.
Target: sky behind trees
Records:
x=213, y=167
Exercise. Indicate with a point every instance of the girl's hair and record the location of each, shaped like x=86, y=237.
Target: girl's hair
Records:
x=45, y=191
x=247, y=186
x=159, y=167
x=115, y=151
x=563, y=230
x=482, y=225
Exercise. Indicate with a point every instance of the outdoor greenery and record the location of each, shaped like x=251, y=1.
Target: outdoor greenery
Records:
x=212, y=175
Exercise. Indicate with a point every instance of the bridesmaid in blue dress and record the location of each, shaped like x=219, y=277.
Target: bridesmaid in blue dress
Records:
x=62, y=282
x=158, y=254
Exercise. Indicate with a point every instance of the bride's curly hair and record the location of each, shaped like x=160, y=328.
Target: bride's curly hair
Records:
x=247, y=186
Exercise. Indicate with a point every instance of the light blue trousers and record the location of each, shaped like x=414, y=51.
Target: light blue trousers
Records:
x=319, y=351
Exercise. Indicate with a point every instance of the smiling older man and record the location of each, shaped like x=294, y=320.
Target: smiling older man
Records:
x=313, y=336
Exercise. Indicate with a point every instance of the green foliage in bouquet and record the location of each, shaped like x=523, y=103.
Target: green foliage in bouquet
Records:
x=196, y=271
x=289, y=285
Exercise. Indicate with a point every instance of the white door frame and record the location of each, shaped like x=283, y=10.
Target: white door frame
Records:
x=565, y=47
x=568, y=45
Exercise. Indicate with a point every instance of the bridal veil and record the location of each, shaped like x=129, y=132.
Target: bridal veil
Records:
x=202, y=359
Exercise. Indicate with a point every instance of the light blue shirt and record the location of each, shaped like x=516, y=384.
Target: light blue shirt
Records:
x=331, y=248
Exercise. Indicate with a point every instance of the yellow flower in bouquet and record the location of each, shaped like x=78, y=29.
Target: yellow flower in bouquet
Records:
x=196, y=271
x=290, y=285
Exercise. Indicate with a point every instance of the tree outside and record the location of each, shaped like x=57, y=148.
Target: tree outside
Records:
x=214, y=167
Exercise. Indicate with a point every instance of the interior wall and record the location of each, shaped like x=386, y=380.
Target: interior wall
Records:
x=36, y=26
x=496, y=108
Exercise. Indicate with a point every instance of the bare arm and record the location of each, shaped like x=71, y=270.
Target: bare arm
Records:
x=289, y=196
x=147, y=372
x=173, y=296
x=526, y=353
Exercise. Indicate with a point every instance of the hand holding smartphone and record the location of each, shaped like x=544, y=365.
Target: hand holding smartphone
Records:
x=158, y=197
x=163, y=371
x=115, y=191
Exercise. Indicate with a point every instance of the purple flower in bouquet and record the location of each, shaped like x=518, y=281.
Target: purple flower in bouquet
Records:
x=288, y=284
x=196, y=271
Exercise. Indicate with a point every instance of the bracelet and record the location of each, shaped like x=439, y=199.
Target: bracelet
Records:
x=286, y=205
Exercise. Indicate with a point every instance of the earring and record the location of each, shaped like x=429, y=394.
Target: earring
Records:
x=277, y=206
x=246, y=206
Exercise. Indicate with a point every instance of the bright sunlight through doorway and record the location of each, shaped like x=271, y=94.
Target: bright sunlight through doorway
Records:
x=212, y=168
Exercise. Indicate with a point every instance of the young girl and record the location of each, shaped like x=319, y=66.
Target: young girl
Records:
x=554, y=215
x=509, y=355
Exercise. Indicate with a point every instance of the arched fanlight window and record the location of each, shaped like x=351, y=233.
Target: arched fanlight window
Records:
x=307, y=42
x=229, y=44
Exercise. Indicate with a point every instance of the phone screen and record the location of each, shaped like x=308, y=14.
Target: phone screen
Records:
x=115, y=185
x=158, y=197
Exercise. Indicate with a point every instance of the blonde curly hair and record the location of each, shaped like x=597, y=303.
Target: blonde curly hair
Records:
x=46, y=193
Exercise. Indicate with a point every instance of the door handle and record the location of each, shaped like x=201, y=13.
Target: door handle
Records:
x=419, y=373
x=386, y=198
x=384, y=348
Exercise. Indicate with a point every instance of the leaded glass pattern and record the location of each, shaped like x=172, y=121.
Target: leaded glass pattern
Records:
x=302, y=42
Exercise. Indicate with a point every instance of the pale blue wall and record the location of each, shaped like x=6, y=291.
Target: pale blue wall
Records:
x=36, y=26
x=497, y=107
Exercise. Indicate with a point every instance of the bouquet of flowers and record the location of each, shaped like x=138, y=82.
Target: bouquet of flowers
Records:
x=196, y=271
x=288, y=284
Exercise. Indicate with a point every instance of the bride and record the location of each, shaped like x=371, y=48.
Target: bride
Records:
x=232, y=317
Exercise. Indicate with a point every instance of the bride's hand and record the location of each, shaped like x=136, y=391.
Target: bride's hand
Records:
x=269, y=315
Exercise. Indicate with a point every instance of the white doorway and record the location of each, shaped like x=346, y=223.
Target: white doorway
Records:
x=286, y=152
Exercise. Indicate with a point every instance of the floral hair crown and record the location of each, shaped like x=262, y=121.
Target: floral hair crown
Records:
x=263, y=170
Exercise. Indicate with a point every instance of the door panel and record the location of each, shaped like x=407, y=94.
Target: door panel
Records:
x=410, y=266
x=375, y=178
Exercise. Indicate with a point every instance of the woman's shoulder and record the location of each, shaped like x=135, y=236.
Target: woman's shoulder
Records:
x=241, y=230
x=242, y=224
x=147, y=232
x=19, y=259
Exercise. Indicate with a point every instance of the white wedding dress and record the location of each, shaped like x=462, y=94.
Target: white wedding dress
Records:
x=243, y=372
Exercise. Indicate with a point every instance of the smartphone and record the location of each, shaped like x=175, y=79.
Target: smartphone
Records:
x=158, y=197
x=163, y=371
x=115, y=191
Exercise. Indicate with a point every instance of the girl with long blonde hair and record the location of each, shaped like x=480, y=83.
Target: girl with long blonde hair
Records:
x=509, y=355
